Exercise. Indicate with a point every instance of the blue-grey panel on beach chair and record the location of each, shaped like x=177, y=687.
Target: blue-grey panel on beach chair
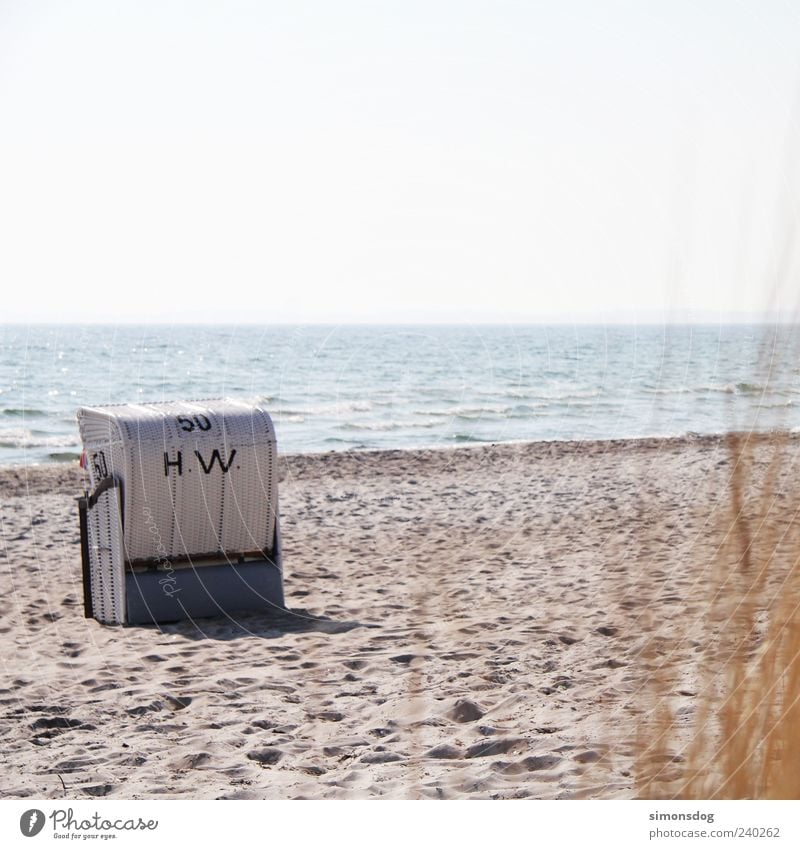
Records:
x=181, y=520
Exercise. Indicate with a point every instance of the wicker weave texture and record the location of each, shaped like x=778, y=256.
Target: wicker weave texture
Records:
x=106, y=559
x=198, y=478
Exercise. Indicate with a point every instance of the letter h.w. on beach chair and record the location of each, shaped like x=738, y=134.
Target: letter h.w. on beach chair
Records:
x=181, y=517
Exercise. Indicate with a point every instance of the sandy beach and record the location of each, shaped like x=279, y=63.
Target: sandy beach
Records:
x=466, y=623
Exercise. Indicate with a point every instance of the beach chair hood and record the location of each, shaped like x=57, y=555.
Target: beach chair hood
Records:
x=194, y=484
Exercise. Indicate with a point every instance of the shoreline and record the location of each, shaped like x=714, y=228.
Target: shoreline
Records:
x=690, y=436
x=63, y=475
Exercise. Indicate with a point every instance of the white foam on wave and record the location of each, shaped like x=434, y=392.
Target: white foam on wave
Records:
x=334, y=408
x=20, y=437
x=385, y=426
x=467, y=412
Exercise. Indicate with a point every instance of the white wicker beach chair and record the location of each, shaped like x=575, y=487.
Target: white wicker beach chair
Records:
x=181, y=520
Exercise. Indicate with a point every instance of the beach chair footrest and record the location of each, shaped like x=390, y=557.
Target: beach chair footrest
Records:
x=159, y=596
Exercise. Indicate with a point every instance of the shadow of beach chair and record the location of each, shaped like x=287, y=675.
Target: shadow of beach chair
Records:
x=181, y=518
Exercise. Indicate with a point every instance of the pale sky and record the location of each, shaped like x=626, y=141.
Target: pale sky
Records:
x=397, y=161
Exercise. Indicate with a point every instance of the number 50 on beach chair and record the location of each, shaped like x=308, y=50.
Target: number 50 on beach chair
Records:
x=181, y=517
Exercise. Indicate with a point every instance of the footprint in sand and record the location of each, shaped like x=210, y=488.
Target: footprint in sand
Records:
x=266, y=757
x=310, y=769
x=60, y=723
x=444, y=752
x=191, y=761
x=490, y=748
x=141, y=710
x=178, y=702
x=407, y=659
x=465, y=710
x=532, y=764
x=98, y=790
x=611, y=663
x=381, y=732
x=328, y=716
x=380, y=758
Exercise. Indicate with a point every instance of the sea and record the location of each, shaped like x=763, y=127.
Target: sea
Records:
x=341, y=388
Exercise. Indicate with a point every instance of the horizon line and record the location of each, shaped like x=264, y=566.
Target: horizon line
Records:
x=543, y=322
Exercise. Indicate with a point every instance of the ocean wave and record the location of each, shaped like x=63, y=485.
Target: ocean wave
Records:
x=576, y=404
x=23, y=412
x=576, y=394
x=24, y=438
x=523, y=411
x=517, y=393
x=473, y=413
x=740, y=388
x=64, y=456
x=531, y=409
x=332, y=409
x=466, y=412
x=538, y=394
x=389, y=426
x=278, y=412
x=350, y=445
x=659, y=390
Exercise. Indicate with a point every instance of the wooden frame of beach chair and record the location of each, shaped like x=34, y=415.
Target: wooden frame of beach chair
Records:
x=181, y=519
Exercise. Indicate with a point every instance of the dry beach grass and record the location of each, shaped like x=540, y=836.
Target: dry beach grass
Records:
x=528, y=620
x=743, y=742
x=740, y=739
